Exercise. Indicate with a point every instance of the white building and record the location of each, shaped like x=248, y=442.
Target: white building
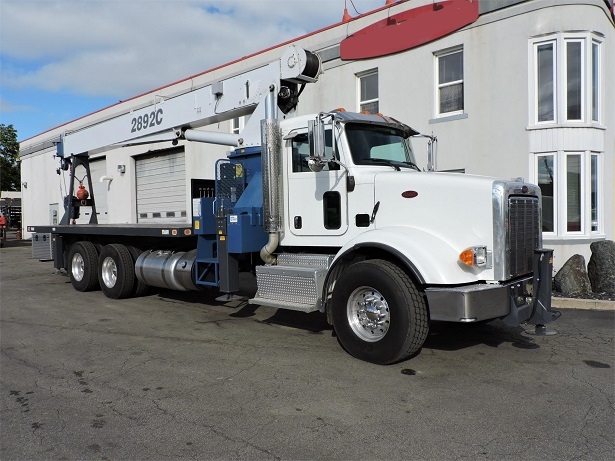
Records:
x=512, y=88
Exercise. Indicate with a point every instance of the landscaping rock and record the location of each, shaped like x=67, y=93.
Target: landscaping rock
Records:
x=572, y=278
x=601, y=266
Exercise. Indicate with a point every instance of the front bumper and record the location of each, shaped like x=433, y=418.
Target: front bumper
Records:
x=523, y=300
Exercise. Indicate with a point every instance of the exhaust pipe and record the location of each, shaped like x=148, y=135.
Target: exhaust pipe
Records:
x=267, y=251
x=271, y=167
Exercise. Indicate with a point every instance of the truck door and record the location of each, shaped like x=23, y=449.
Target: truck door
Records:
x=317, y=202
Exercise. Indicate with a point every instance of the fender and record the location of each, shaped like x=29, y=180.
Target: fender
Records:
x=431, y=259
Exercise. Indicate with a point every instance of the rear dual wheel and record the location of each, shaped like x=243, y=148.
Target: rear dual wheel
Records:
x=140, y=288
x=83, y=266
x=111, y=268
x=116, y=271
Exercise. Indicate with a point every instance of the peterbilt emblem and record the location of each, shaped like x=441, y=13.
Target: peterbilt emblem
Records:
x=409, y=194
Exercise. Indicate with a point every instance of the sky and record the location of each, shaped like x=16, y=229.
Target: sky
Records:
x=63, y=59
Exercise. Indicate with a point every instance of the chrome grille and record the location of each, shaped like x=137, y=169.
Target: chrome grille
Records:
x=523, y=233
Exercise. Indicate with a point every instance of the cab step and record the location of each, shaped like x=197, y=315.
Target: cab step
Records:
x=295, y=283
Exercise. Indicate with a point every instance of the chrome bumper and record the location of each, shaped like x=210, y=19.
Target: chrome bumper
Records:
x=524, y=300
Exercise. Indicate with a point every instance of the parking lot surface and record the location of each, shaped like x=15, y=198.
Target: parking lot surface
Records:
x=178, y=376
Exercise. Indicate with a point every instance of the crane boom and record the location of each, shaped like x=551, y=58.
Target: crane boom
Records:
x=166, y=119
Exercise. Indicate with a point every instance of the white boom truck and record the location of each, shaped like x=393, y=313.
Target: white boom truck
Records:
x=329, y=210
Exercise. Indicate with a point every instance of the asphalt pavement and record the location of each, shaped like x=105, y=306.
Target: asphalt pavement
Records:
x=178, y=376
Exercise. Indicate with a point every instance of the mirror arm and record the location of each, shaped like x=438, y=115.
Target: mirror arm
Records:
x=432, y=150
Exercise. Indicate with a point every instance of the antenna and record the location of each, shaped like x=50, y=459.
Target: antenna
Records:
x=346, y=17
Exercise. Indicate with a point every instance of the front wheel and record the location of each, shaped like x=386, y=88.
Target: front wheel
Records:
x=116, y=271
x=378, y=313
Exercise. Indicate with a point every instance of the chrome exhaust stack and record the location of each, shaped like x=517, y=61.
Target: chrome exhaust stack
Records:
x=271, y=166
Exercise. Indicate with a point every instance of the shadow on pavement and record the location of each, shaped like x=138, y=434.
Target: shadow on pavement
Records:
x=455, y=336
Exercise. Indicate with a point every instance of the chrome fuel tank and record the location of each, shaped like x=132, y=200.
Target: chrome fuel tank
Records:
x=166, y=269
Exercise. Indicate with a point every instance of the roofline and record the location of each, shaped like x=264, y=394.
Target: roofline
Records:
x=399, y=2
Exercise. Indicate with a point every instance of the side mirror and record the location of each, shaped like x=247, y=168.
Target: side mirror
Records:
x=432, y=153
x=316, y=138
x=316, y=164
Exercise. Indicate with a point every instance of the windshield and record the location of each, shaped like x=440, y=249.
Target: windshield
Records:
x=377, y=144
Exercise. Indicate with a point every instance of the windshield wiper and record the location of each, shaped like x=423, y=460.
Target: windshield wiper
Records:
x=383, y=162
x=395, y=163
x=412, y=165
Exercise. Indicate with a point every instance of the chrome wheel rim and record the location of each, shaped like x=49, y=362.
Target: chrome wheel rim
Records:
x=109, y=272
x=368, y=314
x=77, y=267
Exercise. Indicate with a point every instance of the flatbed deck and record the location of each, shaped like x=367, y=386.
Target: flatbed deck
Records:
x=171, y=230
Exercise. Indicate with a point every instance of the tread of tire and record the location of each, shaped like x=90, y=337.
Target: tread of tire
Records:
x=140, y=288
x=92, y=256
x=412, y=345
x=126, y=260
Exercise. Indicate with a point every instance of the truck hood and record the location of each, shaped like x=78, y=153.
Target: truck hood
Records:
x=456, y=209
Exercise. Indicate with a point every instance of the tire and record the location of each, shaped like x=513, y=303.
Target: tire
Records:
x=378, y=313
x=139, y=288
x=83, y=266
x=116, y=271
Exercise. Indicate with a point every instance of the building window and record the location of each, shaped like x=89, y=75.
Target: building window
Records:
x=368, y=92
x=562, y=65
x=595, y=81
x=570, y=200
x=574, y=79
x=546, y=180
x=545, y=82
x=595, y=207
x=573, y=193
x=449, y=72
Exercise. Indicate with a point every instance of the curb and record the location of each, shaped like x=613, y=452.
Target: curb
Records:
x=586, y=304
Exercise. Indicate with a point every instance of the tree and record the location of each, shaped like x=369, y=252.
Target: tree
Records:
x=10, y=176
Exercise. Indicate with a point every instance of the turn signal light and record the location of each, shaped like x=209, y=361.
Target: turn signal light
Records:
x=467, y=257
x=474, y=256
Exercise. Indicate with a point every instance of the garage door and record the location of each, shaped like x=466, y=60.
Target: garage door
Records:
x=161, y=187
